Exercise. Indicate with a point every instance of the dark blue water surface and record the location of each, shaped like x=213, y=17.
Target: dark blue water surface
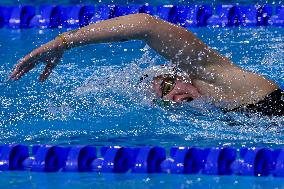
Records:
x=92, y=98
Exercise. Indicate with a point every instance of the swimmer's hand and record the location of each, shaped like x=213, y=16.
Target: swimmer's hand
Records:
x=49, y=53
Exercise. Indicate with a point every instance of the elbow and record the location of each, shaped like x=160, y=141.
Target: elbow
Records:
x=143, y=17
x=146, y=23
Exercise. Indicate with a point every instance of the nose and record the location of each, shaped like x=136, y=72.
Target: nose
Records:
x=183, y=92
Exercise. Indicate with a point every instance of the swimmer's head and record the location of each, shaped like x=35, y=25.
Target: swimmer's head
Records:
x=170, y=85
x=174, y=88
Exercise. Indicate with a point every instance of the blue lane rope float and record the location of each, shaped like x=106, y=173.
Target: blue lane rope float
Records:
x=74, y=16
x=116, y=159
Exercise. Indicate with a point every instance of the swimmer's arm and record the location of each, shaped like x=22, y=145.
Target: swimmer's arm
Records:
x=171, y=41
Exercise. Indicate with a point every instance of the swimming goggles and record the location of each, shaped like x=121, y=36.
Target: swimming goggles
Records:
x=167, y=83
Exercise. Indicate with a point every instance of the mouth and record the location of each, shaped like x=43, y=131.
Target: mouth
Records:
x=189, y=99
x=164, y=103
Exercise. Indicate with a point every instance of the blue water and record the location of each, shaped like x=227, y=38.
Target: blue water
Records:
x=140, y=181
x=92, y=98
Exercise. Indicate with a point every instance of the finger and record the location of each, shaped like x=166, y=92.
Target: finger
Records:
x=23, y=63
x=48, y=69
x=23, y=71
x=17, y=73
x=17, y=69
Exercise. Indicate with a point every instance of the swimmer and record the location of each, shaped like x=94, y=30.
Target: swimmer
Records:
x=209, y=75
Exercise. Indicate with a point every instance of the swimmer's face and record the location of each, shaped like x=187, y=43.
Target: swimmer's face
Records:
x=174, y=88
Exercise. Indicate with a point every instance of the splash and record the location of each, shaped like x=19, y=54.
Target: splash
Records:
x=91, y=100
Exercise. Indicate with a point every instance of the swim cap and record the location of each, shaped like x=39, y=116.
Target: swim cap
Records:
x=155, y=71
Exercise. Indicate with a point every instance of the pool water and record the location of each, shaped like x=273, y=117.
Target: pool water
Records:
x=140, y=181
x=92, y=97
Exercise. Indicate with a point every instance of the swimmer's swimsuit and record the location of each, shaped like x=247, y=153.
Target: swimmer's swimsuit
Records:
x=271, y=105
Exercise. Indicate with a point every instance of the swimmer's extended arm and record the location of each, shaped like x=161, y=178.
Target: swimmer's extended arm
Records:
x=171, y=41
